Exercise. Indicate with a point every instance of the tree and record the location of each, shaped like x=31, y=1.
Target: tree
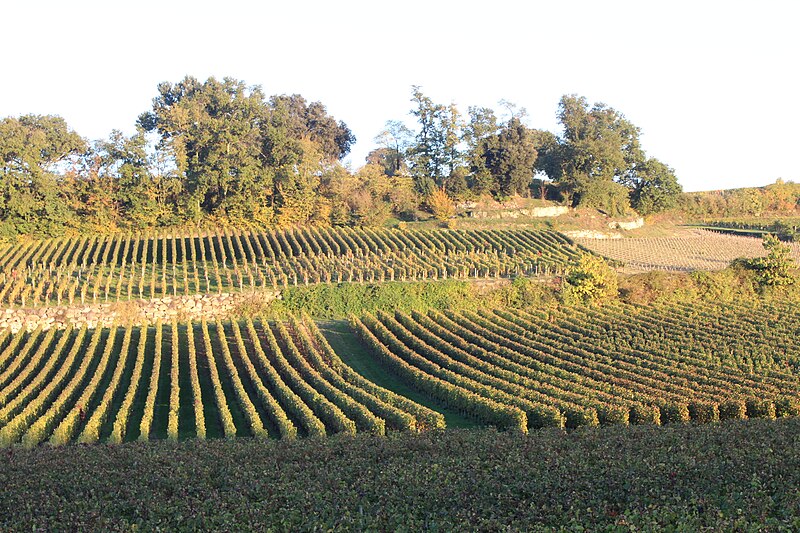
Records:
x=775, y=269
x=482, y=126
x=213, y=129
x=654, y=187
x=598, y=146
x=509, y=156
x=142, y=186
x=244, y=157
x=35, y=151
x=435, y=155
x=395, y=140
x=592, y=281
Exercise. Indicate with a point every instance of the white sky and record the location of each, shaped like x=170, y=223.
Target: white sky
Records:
x=712, y=85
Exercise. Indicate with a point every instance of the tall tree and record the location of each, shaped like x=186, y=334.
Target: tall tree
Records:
x=599, y=146
x=34, y=153
x=213, y=130
x=436, y=154
x=482, y=125
x=654, y=187
x=242, y=156
x=395, y=140
x=510, y=156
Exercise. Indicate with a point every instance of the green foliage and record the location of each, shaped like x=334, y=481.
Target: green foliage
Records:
x=591, y=281
x=345, y=299
x=774, y=270
x=733, y=409
x=781, y=198
x=598, y=146
x=34, y=152
x=727, y=285
x=605, y=479
x=654, y=187
x=509, y=157
x=704, y=412
x=525, y=292
x=607, y=196
x=435, y=154
x=674, y=413
x=761, y=408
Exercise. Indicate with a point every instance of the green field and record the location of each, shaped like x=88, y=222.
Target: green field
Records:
x=734, y=476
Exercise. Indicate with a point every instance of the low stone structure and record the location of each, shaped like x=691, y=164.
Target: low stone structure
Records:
x=591, y=234
x=627, y=224
x=192, y=307
x=535, y=212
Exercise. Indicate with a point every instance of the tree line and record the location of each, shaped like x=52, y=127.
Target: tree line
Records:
x=223, y=151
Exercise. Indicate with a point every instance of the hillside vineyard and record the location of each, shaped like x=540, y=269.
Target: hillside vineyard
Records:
x=508, y=368
x=109, y=268
x=199, y=380
x=580, y=366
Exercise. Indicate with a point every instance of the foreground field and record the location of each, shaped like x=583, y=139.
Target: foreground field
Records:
x=689, y=250
x=109, y=268
x=735, y=476
x=579, y=366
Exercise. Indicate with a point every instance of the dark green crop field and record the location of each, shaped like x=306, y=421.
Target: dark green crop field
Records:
x=733, y=476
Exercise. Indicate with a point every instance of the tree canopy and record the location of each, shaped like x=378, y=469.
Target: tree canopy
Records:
x=225, y=151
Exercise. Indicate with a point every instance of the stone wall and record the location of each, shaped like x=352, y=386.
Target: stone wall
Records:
x=194, y=307
x=591, y=234
x=537, y=212
x=627, y=224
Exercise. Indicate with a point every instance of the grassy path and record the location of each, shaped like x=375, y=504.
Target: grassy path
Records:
x=342, y=340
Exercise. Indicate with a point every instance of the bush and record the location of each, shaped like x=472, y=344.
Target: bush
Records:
x=758, y=408
x=592, y=281
x=441, y=205
x=614, y=415
x=732, y=410
x=787, y=407
x=645, y=414
x=776, y=268
x=703, y=412
x=345, y=299
x=674, y=413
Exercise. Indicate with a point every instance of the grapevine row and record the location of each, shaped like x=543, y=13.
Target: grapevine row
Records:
x=576, y=362
x=105, y=268
x=248, y=377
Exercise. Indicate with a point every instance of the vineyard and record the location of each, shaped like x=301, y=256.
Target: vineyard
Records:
x=248, y=378
x=111, y=268
x=580, y=366
x=693, y=250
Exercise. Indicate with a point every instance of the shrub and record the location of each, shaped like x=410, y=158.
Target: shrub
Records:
x=703, y=412
x=614, y=415
x=592, y=281
x=645, y=414
x=441, y=205
x=787, y=407
x=674, y=413
x=758, y=408
x=733, y=410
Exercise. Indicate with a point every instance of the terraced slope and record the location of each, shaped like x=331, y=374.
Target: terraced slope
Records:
x=103, y=268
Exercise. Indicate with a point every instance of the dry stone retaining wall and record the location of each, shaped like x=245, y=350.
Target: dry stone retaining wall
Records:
x=193, y=307
x=551, y=211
